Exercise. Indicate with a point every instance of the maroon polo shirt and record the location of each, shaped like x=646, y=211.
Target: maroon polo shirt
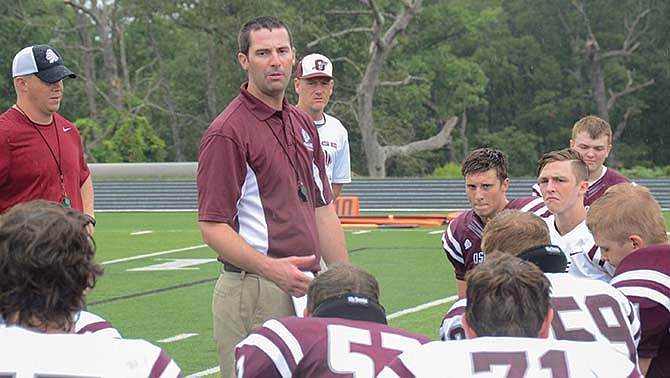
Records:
x=247, y=167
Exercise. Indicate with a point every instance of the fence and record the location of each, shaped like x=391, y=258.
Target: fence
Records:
x=382, y=195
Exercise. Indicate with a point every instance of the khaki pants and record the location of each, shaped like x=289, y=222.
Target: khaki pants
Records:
x=241, y=303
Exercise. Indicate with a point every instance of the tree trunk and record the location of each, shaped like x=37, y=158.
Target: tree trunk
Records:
x=598, y=84
x=102, y=18
x=88, y=63
x=169, y=100
x=212, y=76
x=123, y=60
x=464, y=136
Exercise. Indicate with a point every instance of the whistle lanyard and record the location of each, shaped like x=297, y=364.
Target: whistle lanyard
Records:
x=302, y=191
x=59, y=160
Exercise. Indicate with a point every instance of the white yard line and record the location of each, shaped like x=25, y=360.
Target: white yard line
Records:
x=153, y=254
x=172, y=339
x=437, y=232
x=398, y=314
x=141, y=232
x=422, y=307
x=204, y=373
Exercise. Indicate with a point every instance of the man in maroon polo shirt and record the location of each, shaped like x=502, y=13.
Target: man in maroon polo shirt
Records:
x=264, y=203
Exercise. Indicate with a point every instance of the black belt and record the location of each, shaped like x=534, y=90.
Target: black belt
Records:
x=231, y=268
x=227, y=267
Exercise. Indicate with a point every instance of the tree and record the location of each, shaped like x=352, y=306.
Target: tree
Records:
x=387, y=75
x=586, y=42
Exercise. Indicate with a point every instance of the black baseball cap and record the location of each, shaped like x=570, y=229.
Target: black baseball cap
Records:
x=43, y=61
x=549, y=258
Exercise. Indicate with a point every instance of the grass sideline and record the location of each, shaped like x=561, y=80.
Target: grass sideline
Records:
x=161, y=304
x=155, y=305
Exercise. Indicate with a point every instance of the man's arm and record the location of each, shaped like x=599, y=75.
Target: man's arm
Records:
x=331, y=238
x=87, y=196
x=337, y=188
x=285, y=272
x=644, y=364
x=461, y=287
x=87, y=201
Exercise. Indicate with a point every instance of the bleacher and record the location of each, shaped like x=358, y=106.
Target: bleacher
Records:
x=380, y=195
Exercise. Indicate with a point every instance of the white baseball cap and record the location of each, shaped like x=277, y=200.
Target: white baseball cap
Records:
x=43, y=61
x=314, y=65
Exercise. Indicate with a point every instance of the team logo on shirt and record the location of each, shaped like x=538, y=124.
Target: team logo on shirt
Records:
x=467, y=244
x=307, y=139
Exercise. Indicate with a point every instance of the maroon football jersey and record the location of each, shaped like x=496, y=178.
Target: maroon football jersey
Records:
x=462, y=238
x=321, y=347
x=598, y=187
x=644, y=277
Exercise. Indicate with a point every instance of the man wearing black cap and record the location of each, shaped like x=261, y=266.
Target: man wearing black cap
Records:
x=41, y=153
x=584, y=309
x=344, y=333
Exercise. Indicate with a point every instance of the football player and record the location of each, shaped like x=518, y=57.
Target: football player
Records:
x=562, y=176
x=88, y=322
x=343, y=333
x=486, y=184
x=46, y=268
x=584, y=310
x=628, y=225
x=592, y=138
x=507, y=320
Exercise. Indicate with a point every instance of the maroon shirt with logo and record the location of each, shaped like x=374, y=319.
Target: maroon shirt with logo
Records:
x=321, y=347
x=28, y=170
x=644, y=277
x=247, y=176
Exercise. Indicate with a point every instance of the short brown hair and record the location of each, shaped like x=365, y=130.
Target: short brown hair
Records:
x=338, y=280
x=507, y=296
x=484, y=159
x=627, y=209
x=513, y=231
x=594, y=126
x=579, y=168
x=46, y=265
x=263, y=22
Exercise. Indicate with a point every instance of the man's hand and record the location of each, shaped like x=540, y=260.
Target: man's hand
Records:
x=287, y=273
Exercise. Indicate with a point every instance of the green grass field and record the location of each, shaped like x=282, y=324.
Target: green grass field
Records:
x=159, y=304
x=159, y=277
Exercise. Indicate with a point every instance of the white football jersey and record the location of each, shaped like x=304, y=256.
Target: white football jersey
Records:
x=88, y=322
x=494, y=357
x=584, y=256
x=27, y=354
x=584, y=310
x=335, y=145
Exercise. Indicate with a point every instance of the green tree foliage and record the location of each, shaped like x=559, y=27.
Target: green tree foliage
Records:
x=518, y=146
x=133, y=139
x=515, y=72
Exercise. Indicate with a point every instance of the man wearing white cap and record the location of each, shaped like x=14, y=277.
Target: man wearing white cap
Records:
x=41, y=153
x=314, y=84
